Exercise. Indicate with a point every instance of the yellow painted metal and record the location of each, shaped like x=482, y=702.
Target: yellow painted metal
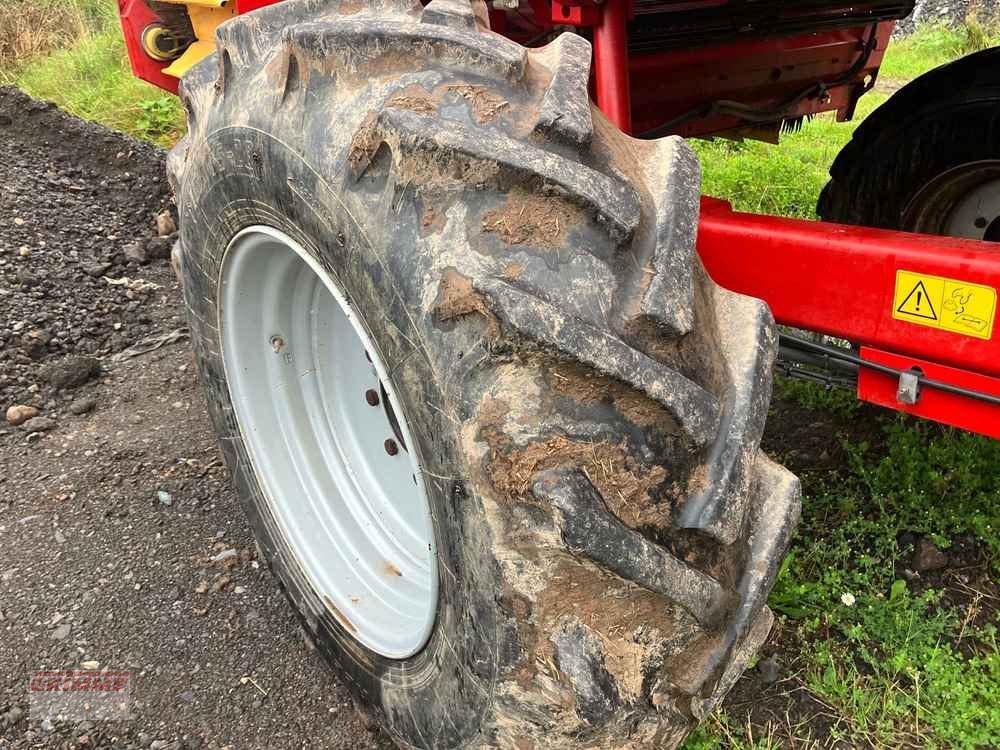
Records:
x=200, y=3
x=206, y=15
x=192, y=55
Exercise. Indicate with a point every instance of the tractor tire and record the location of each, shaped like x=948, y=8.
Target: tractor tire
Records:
x=928, y=159
x=584, y=403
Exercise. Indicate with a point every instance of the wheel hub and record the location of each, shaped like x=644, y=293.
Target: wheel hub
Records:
x=962, y=202
x=333, y=453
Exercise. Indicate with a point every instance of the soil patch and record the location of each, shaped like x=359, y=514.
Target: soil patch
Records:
x=122, y=541
x=527, y=219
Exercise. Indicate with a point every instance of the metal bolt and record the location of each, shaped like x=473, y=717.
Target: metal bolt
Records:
x=908, y=390
x=277, y=343
x=371, y=397
x=390, y=447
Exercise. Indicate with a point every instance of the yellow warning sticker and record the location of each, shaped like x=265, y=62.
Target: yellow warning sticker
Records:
x=951, y=305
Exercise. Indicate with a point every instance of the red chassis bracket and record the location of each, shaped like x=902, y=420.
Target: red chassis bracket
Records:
x=684, y=89
x=841, y=280
x=135, y=16
x=941, y=406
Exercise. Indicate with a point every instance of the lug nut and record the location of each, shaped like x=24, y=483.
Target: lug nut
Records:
x=371, y=397
x=390, y=447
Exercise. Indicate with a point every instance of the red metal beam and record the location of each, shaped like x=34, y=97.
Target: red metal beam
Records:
x=611, y=64
x=895, y=293
x=949, y=408
x=840, y=280
x=762, y=72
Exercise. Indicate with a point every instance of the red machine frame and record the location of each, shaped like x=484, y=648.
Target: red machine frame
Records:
x=840, y=280
x=829, y=278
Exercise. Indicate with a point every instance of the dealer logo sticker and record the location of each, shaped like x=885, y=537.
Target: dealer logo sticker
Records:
x=949, y=304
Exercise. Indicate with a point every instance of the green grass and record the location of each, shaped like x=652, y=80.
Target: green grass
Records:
x=719, y=732
x=934, y=46
x=839, y=401
x=888, y=663
x=100, y=15
x=92, y=80
x=782, y=179
x=894, y=663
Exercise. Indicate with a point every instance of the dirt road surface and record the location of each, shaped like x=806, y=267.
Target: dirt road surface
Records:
x=110, y=518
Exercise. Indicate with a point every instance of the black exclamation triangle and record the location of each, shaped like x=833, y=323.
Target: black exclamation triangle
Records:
x=913, y=303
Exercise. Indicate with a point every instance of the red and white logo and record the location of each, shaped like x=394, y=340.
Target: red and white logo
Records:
x=78, y=694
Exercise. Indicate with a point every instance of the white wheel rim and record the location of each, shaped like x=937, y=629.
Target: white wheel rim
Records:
x=356, y=518
x=975, y=215
x=963, y=201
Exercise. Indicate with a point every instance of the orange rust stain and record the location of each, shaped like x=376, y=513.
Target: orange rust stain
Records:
x=391, y=570
x=341, y=618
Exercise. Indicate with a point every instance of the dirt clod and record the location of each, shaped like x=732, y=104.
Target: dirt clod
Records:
x=39, y=424
x=419, y=104
x=458, y=298
x=364, y=144
x=165, y=225
x=620, y=615
x=486, y=106
x=630, y=492
x=926, y=556
x=513, y=271
x=20, y=413
x=70, y=372
x=586, y=386
x=527, y=219
x=82, y=406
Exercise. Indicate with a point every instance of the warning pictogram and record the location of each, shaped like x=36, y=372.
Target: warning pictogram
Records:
x=918, y=303
x=949, y=304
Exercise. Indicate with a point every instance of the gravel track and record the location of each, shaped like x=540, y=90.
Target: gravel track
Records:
x=110, y=518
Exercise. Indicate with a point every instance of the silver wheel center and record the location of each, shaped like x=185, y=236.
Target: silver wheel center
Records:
x=329, y=443
x=977, y=214
x=961, y=202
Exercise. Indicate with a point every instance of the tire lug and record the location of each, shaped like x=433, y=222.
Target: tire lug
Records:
x=390, y=447
x=371, y=396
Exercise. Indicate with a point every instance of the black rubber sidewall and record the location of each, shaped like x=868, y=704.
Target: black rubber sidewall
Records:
x=876, y=182
x=243, y=177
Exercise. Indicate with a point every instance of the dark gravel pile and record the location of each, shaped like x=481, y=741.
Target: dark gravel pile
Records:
x=952, y=12
x=122, y=544
x=81, y=265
